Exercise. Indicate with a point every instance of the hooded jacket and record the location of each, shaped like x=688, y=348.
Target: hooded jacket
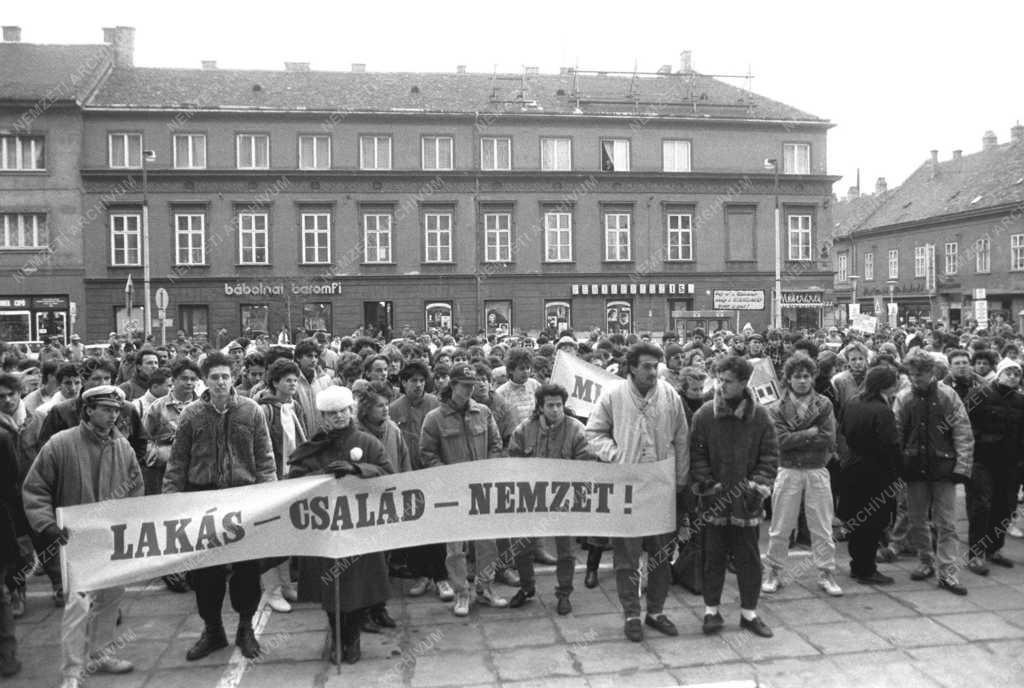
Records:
x=935, y=434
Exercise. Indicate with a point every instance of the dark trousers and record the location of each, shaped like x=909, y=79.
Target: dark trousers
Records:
x=991, y=499
x=862, y=543
x=48, y=552
x=564, y=567
x=626, y=560
x=8, y=640
x=211, y=583
x=428, y=561
x=741, y=542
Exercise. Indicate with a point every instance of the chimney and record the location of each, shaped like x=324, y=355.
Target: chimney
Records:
x=957, y=154
x=296, y=66
x=209, y=64
x=686, y=62
x=531, y=71
x=358, y=67
x=12, y=34
x=1017, y=132
x=935, y=157
x=122, y=40
x=460, y=69
x=853, y=193
x=989, y=141
x=881, y=186
x=665, y=69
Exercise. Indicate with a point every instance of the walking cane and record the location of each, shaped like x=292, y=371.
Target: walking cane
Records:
x=337, y=613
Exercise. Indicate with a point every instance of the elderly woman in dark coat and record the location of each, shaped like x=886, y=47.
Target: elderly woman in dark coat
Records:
x=362, y=581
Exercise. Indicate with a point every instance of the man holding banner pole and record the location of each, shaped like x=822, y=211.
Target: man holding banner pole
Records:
x=641, y=420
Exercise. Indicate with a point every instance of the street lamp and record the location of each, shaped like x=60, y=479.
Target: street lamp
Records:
x=147, y=156
x=773, y=165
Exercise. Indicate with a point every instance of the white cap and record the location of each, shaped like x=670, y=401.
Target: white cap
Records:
x=334, y=398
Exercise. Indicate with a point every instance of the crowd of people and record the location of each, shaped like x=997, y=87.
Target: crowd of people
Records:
x=864, y=442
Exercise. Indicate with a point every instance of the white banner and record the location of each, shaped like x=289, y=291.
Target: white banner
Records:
x=584, y=381
x=864, y=323
x=119, y=541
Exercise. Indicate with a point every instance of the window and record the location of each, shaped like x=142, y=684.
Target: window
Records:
x=255, y=318
x=799, y=237
x=437, y=152
x=194, y=320
x=1017, y=252
x=22, y=153
x=618, y=316
x=252, y=239
x=316, y=237
x=558, y=237
x=498, y=237
x=796, y=158
x=952, y=254
x=558, y=315
x=125, y=239
x=317, y=316
x=375, y=152
x=616, y=237
x=983, y=255
x=842, y=267
x=920, y=261
x=615, y=155
x=680, y=236
x=675, y=156
x=556, y=155
x=253, y=151
x=314, y=152
x=495, y=153
x=190, y=238
x=869, y=267
x=125, y=150
x=894, y=263
x=438, y=228
x=190, y=151
x=23, y=230
x=377, y=238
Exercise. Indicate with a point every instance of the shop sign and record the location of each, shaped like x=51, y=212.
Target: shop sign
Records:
x=802, y=299
x=8, y=302
x=739, y=299
x=50, y=303
x=278, y=289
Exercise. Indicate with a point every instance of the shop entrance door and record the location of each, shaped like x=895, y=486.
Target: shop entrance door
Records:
x=378, y=316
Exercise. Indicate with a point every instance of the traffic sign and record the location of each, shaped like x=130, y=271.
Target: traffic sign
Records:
x=160, y=298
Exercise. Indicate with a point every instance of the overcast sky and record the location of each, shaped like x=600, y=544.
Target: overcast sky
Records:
x=896, y=79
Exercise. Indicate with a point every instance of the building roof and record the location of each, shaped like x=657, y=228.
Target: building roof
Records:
x=987, y=179
x=55, y=73
x=677, y=95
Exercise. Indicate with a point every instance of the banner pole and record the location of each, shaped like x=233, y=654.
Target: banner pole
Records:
x=337, y=614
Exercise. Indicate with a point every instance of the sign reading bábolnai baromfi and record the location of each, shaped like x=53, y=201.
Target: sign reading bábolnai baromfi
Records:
x=739, y=299
x=280, y=289
x=117, y=541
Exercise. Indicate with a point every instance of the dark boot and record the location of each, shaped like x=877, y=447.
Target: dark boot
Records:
x=350, y=630
x=593, y=562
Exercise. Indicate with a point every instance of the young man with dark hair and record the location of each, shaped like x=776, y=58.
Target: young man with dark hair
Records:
x=984, y=362
x=642, y=420
x=46, y=390
x=209, y=441
x=146, y=363
x=735, y=455
x=312, y=381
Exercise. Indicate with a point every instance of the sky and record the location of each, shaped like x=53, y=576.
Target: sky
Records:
x=896, y=79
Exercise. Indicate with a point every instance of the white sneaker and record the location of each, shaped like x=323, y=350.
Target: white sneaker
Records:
x=486, y=595
x=827, y=582
x=770, y=583
x=1015, y=532
x=277, y=602
x=111, y=665
x=461, y=607
x=419, y=587
x=70, y=682
x=445, y=591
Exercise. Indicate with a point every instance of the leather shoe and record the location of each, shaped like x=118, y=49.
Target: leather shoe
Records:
x=999, y=559
x=634, y=630
x=953, y=585
x=210, y=641
x=382, y=618
x=756, y=626
x=876, y=578
x=661, y=624
x=521, y=597
x=922, y=572
x=564, y=606
x=590, y=580
x=713, y=623
x=543, y=557
x=245, y=640
x=509, y=577
x=351, y=653
x=976, y=566
x=370, y=624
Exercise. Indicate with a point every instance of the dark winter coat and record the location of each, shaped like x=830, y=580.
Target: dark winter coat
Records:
x=998, y=422
x=12, y=515
x=869, y=482
x=935, y=434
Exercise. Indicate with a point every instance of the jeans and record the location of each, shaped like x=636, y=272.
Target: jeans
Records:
x=455, y=563
x=626, y=561
x=940, y=498
x=991, y=499
x=814, y=487
x=564, y=567
x=244, y=587
x=87, y=627
x=741, y=541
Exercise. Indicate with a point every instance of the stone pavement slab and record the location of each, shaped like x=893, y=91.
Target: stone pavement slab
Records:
x=980, y=626
x=914, y=632
x=838, y=638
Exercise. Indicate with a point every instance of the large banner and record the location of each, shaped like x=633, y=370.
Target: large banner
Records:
x=583, y=380
x=123, y=540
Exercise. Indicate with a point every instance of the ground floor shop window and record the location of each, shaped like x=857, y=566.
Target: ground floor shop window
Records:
x=801, y=318
x=15, y=326
x=677, y=309
x=378, y=317
x=558, y=315
x=438, y=316
x=194, y=321
x=255, y=319
x=619, y=316
x=316, y=316
x=124, y=323
x=499, y=317
x=52, y=324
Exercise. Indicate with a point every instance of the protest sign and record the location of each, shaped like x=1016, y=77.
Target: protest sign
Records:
x=763, y=384
x=118, y=541
x=864, y=323
x=584, y=381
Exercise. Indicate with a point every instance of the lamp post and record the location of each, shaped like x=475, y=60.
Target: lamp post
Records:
x=773, y=165
x=147, y=316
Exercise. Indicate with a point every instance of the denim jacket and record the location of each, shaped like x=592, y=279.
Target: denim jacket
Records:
x=453, y=436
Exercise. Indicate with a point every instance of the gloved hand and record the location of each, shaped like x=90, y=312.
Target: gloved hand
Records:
x=341, y=468
x=55, y=534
